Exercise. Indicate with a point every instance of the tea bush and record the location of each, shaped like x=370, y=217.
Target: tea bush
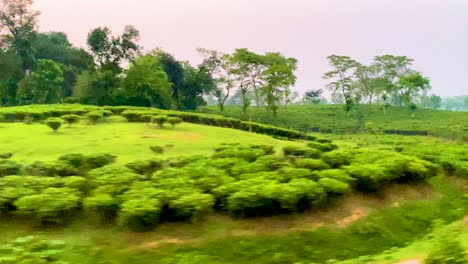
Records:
x=6, y=155
x=71, y=119
x=31, y=249
x=94, y=117
x=54, y=123
x=174, y=121
x=9, y=167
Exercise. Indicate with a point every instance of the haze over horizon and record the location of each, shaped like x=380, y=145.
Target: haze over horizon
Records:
x=433, y=33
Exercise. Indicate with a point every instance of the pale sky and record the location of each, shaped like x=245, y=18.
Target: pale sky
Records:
x=432, y=32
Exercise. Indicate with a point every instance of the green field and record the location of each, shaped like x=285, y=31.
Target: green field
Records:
x=221, y=195
x=334, y=119
x=129, y=141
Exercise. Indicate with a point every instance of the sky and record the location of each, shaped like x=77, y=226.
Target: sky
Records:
x=432, y=32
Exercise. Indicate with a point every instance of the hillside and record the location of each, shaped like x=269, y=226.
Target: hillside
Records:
x=122, y=185
x=334, y=119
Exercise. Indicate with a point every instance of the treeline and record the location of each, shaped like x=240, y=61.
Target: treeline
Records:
x=45, y=68
x=387, y=80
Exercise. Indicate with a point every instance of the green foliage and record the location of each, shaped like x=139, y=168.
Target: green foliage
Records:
x=324, y=147
x=6, y=155
x=447, y=251
x=58, y=168
x=157, y=149
x=312, y=164
x=302, y=152
x=174, y=121
x=94, y=117
x=50, y=205
x=113, y=174
x=32, y=249
x=9, y=167
x=145, y=167
x=159, y=120
x=71, y=119
x=54, y=123
x=192, y=206
x=334, y=186
x=337, y=158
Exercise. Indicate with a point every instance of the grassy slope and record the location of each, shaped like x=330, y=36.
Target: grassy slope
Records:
x=334, y=118
x=129, y=141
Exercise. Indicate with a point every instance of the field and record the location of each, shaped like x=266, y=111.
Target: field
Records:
x=334, y=119
x=128, y=141
x=212, y=193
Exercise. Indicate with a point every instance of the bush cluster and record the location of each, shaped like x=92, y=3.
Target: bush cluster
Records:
x=242, y=180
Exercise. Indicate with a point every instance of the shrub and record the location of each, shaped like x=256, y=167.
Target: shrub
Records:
x=74, y=159
x=98, y=160
x=369, y=177
x=71, y=119
x=114, y=174
x=174, y=121
x=9, y=167
x=54, y=123
x=333, y=186
x=159, y=120
x=336, y=174
x=101, y=203
x=140, y=212
x=94, y=117
x=50, y=205
x=145, y=167
x=324, y=147
x=312, y=164
x=59, y=168
x=2, y=118
x=157, y=149
x=447, y=251
x=192, y=206
x=337, y=158
x=31, y=249
x=28, y=119
x=75, y=182
x=6, y=155
x=301, y=152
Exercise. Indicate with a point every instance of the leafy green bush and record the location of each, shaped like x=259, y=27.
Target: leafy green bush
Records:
x=333, y=186
x=50, y=205
x=447, y=251
x=94, y=117
x=145, y=167
x=31, y=249
x=6, y=155
x=75, y=159
x=336, y=174
x=2, y=118
x=71, y=119
x=337, y=158
x=103, y=204
x=192, y=206
x=59, y=168
x=9, y=167
x=324, y=147
x=174, y=121
x=157, y=149
x=160, y=120
x=113, y=174
x=54, y=123
x=98, y=160
x=302, y=152
x=312, y=164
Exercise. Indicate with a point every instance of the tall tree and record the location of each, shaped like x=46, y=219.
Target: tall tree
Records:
x=219, y=66
x=175, y=72
x=44, y=85
x=392, y=68
x=342, y=73
x=410, y=86
x=146, y=79
x=18, y=28
x=313, y=96
x=110, y=51
x=279, y=76
x=197, y=82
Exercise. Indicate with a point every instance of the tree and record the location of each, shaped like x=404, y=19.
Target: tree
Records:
x=18, y=28
x=11, y=72
x=219, y=67
x=411, y=85
x=368, y=82
x=342, y=78
x=55, y=46
x=197, y=82
x=279, y=76
x=392, y=68
x=313, y=96
x=110, y=51
x=147, y=80
x=432, y=102
x=175, y=73
x=44, y=84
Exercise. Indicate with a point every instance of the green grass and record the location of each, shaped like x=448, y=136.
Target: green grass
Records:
x=129, y=141
x=333, y=118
